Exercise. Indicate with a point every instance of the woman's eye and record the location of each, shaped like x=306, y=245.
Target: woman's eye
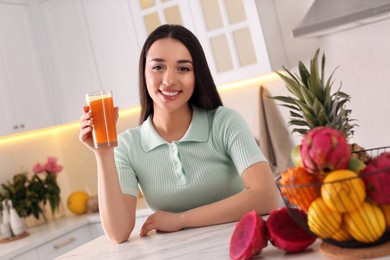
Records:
x=157, y=67
x=184, y=69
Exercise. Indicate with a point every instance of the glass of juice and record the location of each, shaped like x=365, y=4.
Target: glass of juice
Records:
x=101, y=105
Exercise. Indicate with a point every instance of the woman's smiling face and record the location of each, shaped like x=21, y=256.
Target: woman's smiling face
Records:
x=169, y=74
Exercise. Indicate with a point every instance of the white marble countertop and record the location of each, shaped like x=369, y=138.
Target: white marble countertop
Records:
x=44, y=233
x=197, y=243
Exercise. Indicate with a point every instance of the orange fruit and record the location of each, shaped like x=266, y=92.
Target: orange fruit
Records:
x=78, y=202
x=299, y=187
x=343, y=191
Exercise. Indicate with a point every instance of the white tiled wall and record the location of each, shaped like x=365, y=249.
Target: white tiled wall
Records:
x=362, y=56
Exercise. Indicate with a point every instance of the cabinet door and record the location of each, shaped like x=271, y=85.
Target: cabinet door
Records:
x=229, y=31
x=115, y=47
x=69, y=54
x=64, y=243
x=96, y=230
x=25, y=104
x=29, y=255
x=91, y=46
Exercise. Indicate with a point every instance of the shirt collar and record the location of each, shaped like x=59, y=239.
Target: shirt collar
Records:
x=198, y=131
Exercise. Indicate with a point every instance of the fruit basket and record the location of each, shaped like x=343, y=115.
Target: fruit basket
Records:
x=343, y=211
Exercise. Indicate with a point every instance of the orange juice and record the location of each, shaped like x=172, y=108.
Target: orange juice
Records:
x=104, y=129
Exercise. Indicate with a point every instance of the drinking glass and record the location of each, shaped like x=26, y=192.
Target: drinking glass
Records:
x=101, y=105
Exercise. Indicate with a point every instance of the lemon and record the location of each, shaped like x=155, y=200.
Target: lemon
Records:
x=77, y=202
x=323, y=221
x=342, y=234
x=386, y=212
x=366, y=224
x=343, y=191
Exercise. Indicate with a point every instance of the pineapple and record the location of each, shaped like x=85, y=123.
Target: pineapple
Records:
x=313, y=104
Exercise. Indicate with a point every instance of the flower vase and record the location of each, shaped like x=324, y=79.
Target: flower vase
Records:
x=31, y=221
x=59, y=212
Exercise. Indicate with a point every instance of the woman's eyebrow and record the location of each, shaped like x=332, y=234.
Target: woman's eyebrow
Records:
x=163, y=60
x=157, y=59
x=184, y=61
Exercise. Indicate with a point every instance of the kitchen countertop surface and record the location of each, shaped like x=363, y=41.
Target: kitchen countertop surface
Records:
x=45, y=233
x=196, y=243
x=54, y=228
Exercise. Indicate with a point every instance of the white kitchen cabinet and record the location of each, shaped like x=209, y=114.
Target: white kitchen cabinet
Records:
x=90, y=46
x=229, y=31
x=29, y=255
x=64, y=243
x=95, y=230
x=24, y=100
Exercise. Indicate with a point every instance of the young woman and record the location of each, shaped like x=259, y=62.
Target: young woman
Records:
x=195, y=161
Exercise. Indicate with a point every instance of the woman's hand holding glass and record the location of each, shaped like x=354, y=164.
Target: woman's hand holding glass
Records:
x=86, y=127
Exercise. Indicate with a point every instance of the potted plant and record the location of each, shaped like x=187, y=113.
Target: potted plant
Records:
x=30, y=195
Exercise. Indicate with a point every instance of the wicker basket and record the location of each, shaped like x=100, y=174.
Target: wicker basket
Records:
x=303, y=191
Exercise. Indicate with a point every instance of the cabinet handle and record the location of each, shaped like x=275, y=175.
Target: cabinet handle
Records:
x=22, y=126
x=64, y=243
x=16, y=127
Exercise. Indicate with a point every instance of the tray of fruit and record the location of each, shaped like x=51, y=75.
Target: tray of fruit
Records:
x=345, y=195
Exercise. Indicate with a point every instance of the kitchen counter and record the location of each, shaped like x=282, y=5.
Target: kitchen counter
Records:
x=197, y=243
x=46, y=232
x=210, y=242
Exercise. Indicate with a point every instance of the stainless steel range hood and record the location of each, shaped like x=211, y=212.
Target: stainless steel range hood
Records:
x=327, y=16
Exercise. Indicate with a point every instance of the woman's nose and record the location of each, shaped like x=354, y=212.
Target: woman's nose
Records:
x=169, y=78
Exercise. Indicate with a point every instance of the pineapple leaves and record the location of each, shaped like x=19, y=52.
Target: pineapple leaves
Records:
x=305, y=75
x=289, y=100
x=312, y=102
x=291, y=85
x=315, y=82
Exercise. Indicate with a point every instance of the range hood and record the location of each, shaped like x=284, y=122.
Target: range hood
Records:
x=328, y=16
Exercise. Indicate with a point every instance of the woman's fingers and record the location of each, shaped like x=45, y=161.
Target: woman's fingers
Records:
x=146, y=227
x=116, y=112
x=86, y=125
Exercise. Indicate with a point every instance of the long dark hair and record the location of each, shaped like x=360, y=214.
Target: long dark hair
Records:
x=205, y=92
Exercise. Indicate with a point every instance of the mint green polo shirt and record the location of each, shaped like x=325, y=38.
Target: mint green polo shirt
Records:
x=203, y=167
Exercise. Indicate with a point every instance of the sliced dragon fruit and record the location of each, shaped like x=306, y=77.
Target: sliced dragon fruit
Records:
x=285, y=233
x=249, y=237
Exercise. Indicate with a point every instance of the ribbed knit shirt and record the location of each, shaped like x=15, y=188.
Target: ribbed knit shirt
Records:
x=203, y=167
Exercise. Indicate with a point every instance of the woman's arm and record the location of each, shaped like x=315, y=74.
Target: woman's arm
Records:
x=260, y=194
x=117, y=211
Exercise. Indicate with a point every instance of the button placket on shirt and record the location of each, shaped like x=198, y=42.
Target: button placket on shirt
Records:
x=178, y=167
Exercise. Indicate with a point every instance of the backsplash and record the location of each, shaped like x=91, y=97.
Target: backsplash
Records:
x=362, y=59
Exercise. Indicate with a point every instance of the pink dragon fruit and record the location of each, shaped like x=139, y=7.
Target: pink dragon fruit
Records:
x=249, y=237
x=285, y=233
x=376, y=175
x=324, y=149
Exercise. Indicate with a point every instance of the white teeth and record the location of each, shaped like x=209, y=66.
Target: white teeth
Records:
x=170, y=93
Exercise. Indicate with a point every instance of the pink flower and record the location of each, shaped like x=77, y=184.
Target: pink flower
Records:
x=53, y=168
x=38, y=168
x=50, y=167
x=51, y=160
